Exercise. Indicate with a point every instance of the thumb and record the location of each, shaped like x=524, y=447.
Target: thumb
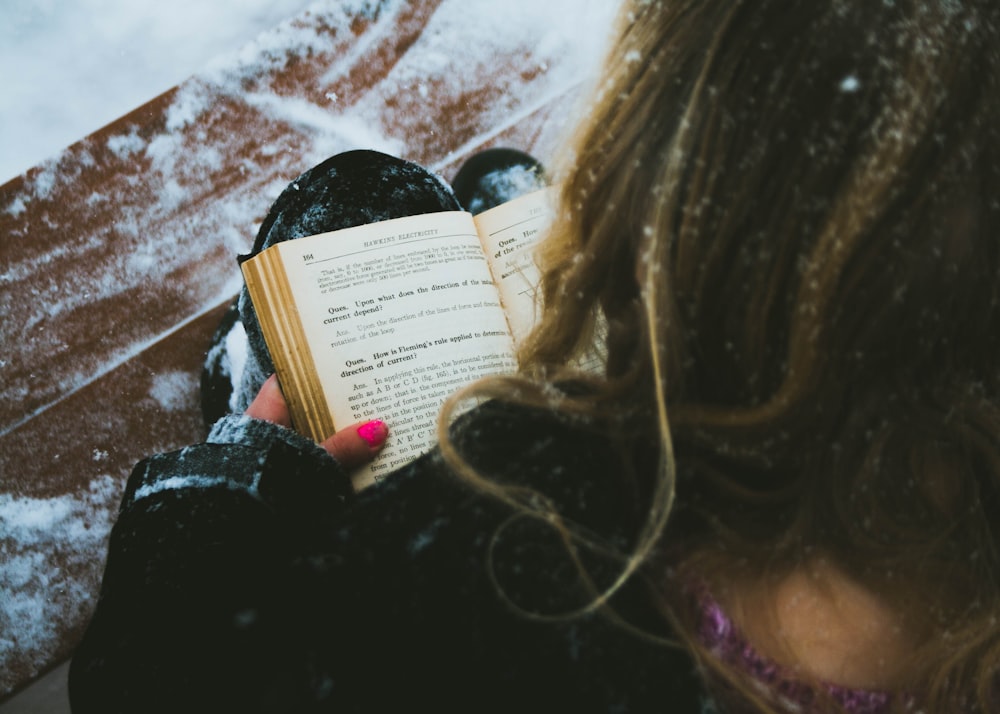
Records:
x=269, y=404
x=357, y=444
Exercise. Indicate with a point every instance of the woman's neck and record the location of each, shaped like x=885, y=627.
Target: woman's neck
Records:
x=820, y=623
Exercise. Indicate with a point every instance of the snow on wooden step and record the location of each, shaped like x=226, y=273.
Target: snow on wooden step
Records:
x=118, y=255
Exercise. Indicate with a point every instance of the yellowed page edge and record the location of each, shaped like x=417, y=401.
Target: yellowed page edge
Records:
x=281, y=325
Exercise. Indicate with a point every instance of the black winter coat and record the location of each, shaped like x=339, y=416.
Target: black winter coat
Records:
x=243, y=576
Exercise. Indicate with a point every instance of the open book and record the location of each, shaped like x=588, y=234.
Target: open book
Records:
x=386, y=320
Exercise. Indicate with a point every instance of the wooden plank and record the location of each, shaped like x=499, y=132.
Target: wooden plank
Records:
x=118, y=256
x=75, y=460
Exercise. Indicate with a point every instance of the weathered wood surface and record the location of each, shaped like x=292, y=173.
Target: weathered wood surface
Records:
x=117, y=256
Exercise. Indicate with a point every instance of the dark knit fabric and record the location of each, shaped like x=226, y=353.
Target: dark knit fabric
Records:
x=243, y=577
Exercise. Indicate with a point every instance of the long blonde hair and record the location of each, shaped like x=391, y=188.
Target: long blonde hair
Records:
x=785, y=214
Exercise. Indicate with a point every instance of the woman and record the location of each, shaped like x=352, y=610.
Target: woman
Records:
x=780, y=225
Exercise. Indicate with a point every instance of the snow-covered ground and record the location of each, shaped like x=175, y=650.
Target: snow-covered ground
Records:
x=71, y=66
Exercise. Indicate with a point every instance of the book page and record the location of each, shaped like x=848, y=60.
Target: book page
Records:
x=510, y=233
x=398, y=315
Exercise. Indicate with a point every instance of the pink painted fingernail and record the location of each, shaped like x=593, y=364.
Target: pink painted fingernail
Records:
x=374, y=432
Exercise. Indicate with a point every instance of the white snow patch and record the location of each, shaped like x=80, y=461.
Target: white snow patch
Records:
x=16, y=207
x=237, y=348
x=194, y=481
x=104, y=58
x=42, y=594
x=850, y=84
x=175, y=391
x=124, y=145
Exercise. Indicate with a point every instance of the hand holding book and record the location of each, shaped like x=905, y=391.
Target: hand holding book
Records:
x=388, y=319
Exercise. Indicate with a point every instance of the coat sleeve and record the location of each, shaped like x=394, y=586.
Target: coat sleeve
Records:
x=205, y=541
x=243, y=577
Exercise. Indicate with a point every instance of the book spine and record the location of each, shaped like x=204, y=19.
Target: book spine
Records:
x=285, y=336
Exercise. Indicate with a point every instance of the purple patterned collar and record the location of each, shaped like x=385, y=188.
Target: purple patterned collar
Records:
x=724, y=639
